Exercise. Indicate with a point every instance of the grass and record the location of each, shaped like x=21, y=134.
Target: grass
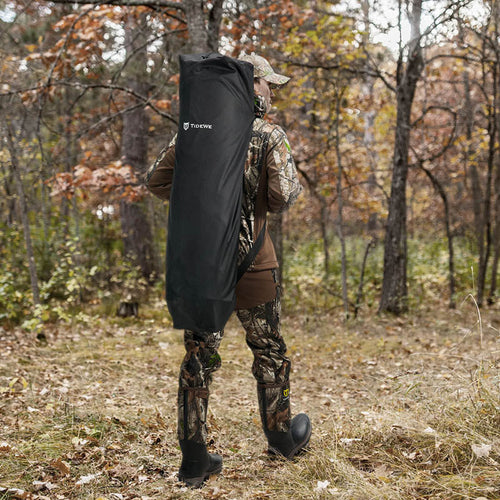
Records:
x=398, y=407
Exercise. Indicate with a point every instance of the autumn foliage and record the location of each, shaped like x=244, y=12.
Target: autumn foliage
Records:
x=89, y=97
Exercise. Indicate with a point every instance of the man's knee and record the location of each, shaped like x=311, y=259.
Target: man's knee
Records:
x=202, y=357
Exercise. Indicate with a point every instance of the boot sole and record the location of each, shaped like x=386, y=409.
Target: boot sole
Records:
x=197, y=482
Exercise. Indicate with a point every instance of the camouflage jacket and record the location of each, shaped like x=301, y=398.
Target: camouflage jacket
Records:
x=270, y=185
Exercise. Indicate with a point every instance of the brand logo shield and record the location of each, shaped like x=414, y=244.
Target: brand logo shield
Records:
x=186, y=125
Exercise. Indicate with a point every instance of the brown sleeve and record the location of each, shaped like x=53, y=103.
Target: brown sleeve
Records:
x=159, y=177
x=283, y=183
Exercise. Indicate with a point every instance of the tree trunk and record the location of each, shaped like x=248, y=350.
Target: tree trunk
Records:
x=70, y=157
x=449, y=234
x=496, y=247
x=195, y=18
x=496, y=231
x=482, y=205
x=492, y=132
x=23, y=210
x=471, y=169
x=203, y=32
x=394, y=286
x=340, y=205
x=9, y=198
x=136, y=229
x=482, y=197
x=324, y=233
x=496, y=218
x=214, y=22
x=367, y=89
x=359, y=296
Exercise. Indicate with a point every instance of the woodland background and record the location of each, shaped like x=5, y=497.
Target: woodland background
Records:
x=393, y=113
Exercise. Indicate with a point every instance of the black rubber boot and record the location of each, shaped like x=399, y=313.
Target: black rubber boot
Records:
x=197, y=464
x=288, y=444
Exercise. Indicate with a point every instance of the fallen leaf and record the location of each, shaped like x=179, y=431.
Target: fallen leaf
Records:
x=76, y=441
x=382, y=472
x=481, y=450
x=411, y=455
x=86, y=479
x=44, y=485
x=117, y=421
x=322, y=485
x=16, y=493
x=349, y=441
x=5, y=447
x=61, y=466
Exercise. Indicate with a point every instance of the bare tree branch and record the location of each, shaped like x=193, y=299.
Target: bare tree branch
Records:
x=330, y=67
x=147, y=43
x=144, y=100
x=162, y=4
x=449, y=143
x=434, y=107
x=374, y=71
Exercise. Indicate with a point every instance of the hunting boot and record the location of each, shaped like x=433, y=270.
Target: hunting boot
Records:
x=197, y=464
x=286, y=437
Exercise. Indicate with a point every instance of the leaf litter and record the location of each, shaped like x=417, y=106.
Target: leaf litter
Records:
x=402, y=408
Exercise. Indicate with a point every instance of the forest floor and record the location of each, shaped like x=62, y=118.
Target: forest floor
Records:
x=402, y=408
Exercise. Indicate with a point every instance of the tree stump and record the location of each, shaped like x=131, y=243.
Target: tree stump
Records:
x=126, y=309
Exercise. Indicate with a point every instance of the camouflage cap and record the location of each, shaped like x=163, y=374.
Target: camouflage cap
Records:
x=262, y=69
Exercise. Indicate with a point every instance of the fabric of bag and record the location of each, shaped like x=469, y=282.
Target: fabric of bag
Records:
x=215, y=126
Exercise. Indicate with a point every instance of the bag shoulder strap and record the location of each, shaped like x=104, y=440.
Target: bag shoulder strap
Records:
x=252, y=253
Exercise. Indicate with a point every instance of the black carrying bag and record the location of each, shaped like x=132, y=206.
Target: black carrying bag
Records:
x=215, y=126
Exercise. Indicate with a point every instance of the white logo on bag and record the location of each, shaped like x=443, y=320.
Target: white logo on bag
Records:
x=188, y=125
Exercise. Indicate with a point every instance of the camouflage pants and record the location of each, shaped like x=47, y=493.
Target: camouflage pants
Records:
x=271, y=368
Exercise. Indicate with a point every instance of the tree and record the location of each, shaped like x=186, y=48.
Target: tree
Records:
x=23, y=210
x=481, y=110
x=394, y=297
x=137, y=236
x=334, y=161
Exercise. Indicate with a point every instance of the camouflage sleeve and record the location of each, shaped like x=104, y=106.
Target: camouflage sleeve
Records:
x=158, y=178
x=283, y=182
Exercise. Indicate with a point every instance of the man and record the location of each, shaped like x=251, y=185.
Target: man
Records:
x=270, y=184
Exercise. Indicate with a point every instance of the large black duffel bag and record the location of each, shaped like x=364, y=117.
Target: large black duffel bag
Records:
x=215, y=126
